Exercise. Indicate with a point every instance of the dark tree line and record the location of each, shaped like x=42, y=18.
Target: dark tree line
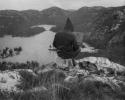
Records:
x=10, y=65
x=9, y=52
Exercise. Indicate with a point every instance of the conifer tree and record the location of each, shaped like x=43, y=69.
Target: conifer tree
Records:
x=69, y=26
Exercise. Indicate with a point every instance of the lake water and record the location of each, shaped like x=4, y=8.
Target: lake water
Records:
x=34, y=48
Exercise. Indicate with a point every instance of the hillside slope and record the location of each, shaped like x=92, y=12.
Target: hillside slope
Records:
x=103, y=26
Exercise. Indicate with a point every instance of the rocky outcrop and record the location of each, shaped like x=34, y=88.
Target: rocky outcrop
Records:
x=93, y=77
x=9, y=80
x=103, y=63
x=92, y=74
x=86, y=48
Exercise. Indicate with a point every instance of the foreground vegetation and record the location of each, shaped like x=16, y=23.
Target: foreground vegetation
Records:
x=48, y=82
x=11, y=66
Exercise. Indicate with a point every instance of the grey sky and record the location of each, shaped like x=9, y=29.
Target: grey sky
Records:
x=66, y=4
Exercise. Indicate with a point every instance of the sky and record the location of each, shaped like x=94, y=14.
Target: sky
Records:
x=65, y=4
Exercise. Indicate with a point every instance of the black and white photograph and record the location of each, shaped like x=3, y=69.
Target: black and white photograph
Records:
x=62, y=49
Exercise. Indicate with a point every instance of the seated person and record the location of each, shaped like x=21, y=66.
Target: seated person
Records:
x=66, y=44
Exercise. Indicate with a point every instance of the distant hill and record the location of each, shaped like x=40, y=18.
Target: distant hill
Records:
x=17, y=23
x=100, y=25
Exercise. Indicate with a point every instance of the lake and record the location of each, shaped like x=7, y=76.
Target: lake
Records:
x=34, y=48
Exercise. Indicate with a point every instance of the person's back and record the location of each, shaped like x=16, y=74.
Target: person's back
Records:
x=66, y=44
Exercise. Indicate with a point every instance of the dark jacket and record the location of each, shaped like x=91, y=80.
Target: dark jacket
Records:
x=66, y=45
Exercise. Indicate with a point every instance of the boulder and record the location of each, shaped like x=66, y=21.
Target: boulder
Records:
x=103, y=63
